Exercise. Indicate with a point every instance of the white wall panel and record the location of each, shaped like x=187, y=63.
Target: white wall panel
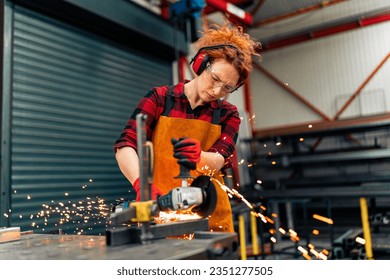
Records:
x=321, y=71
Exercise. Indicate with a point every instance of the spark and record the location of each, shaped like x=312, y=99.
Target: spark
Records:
x=322, y=256
x=269, y=220
x=323, y=219
x=314, y=252
x=293, y=235
x=360, y=240
x=325, y=252
x=261, y=216
x=302, y=250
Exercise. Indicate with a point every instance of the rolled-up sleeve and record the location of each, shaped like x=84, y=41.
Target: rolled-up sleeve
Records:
x=150, y=105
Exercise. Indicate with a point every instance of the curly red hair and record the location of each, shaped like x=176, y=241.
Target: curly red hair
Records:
x=241, y=58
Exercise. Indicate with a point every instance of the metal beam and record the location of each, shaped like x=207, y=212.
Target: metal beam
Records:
x=360, y=88
x=132, y=234
x=319, y=128
x=373, y=190
x=232, y=10
x=320, y=32
x=291, y=91
x=380, y=154
x=336, y=181
x=304, y=10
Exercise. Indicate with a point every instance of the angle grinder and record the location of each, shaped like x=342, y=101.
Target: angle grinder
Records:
x=200, y=198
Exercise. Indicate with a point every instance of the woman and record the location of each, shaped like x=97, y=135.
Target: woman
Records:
x=205, y=127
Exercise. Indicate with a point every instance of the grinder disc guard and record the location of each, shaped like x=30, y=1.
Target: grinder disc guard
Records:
x=209, y=196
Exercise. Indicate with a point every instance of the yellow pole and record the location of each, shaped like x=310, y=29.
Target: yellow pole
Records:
x=255, y=245
x=366, y=228
x=241, y=228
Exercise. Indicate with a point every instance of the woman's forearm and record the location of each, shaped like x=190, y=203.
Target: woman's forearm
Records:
x=210, y=162
x=128, y=163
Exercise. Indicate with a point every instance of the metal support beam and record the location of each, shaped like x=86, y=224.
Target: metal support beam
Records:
x=301, y=11
x=285, y=160
x=368, y=190
x=360, y=88
x=232, y=10
x=335, y=127
x=291, y=91
x=133, y=234
x=336, y=28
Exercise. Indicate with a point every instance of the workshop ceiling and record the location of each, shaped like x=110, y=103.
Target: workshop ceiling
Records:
x=278, y=20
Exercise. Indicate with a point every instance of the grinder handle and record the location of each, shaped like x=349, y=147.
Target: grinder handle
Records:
x=184, y=163
x=184, y=172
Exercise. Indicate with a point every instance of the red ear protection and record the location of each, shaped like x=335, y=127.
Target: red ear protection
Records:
x=200, y=60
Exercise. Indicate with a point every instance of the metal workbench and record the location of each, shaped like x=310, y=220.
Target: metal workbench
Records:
x=205, y=245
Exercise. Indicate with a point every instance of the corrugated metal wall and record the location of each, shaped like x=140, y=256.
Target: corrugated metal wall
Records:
x=324, y=71
x=72, y=94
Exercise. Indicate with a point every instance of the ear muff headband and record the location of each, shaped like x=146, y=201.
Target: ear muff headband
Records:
x=201, y=59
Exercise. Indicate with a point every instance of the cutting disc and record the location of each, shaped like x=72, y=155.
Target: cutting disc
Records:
x=209, y=196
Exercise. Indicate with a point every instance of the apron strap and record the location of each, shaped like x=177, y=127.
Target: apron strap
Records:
x=170, y=101
x=217, y=113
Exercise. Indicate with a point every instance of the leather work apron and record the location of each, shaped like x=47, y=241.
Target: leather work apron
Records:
x=166, y=166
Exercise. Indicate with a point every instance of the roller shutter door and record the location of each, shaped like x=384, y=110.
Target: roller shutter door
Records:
x=72, y=93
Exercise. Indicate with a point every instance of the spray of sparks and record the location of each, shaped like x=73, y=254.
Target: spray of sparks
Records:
x=175, y=216
x=82, y=214
x=232, y=193
x=257, y=211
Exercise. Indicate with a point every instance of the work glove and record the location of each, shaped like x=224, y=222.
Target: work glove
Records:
x=187, y=151
x=137, y=187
